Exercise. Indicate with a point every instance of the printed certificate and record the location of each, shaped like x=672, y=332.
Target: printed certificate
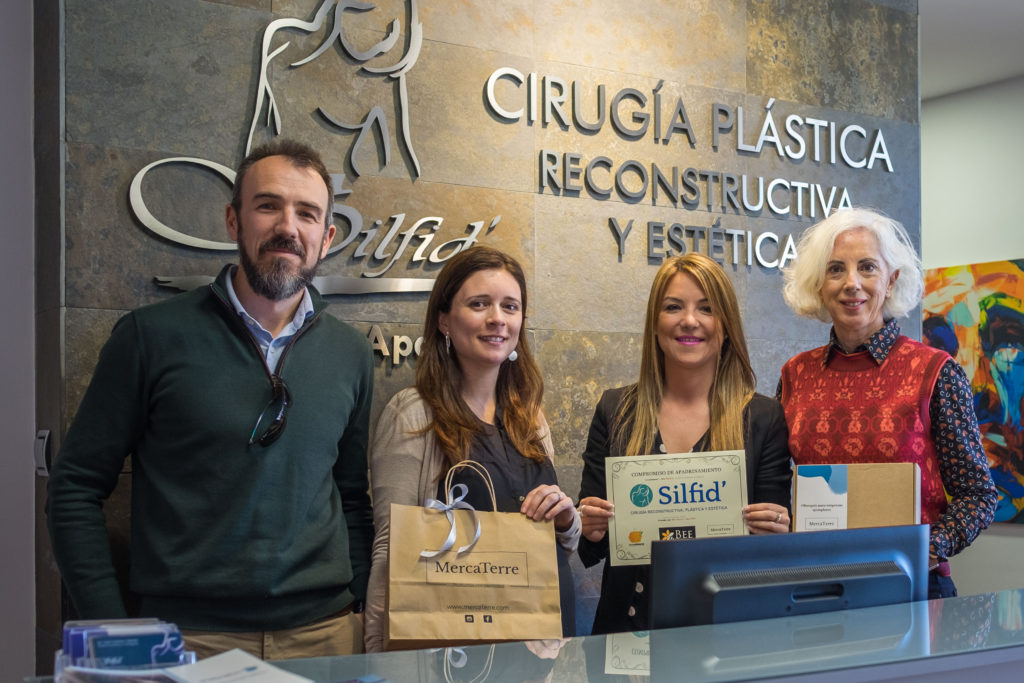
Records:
x=672, y=497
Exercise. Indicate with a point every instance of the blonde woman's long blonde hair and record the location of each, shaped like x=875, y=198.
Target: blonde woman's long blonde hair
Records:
x=636, y=422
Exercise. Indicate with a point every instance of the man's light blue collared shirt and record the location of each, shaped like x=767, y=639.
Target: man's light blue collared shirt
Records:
x=271, y=346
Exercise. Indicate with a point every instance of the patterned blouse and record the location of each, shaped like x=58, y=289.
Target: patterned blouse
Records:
x=963, y=464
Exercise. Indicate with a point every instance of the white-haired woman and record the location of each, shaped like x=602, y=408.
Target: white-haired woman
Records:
x=873, y=395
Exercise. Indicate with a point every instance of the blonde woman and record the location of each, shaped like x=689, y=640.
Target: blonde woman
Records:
x=695, y=393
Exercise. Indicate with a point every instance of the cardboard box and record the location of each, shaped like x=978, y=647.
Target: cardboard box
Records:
x=856, y=496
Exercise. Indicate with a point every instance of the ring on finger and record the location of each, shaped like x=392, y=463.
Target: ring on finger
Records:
x=778, y=517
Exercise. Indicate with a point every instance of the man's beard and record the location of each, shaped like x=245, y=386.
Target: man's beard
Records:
x=275, y=281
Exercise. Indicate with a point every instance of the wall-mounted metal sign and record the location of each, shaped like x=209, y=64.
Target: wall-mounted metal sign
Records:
x=782, y=134
x=383, y=241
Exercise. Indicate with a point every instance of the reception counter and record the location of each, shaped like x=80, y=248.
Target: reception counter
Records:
x=979, y=637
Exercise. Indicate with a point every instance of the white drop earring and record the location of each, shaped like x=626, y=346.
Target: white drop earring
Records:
x=447, y=344
x=514, y=355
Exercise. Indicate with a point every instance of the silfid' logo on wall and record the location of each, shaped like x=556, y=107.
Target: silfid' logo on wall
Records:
x=415, y=240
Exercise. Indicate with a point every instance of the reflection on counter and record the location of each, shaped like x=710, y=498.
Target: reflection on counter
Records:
x=628, y=653
x=723, y=652
x=829, y=640
x=1008, y=604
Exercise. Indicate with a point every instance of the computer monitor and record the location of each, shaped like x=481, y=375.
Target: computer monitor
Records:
x=737, y=578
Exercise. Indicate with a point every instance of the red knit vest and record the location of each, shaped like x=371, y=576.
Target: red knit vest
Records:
x=856, y=411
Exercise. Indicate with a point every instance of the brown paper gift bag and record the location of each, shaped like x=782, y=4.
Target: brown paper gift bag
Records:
x=459, y=576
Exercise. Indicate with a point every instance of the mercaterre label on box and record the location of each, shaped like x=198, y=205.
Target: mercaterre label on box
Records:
x=856, y=496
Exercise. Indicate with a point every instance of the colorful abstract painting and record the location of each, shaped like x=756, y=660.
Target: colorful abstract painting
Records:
x=976, y=314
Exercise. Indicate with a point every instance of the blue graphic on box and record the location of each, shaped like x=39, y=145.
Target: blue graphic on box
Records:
x=834, y=476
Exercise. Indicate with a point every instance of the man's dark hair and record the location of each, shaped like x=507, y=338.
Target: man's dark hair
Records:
x=300, y=154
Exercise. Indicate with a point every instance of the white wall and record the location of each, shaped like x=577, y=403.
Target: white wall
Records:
x=992, y=563
x=972, y=181
x=17, y=358
x=972, y=176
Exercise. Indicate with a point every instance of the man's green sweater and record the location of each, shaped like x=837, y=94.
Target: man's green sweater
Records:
x=225, y=536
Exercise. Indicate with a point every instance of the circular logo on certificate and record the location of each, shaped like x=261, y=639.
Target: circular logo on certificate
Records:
x=641, y=495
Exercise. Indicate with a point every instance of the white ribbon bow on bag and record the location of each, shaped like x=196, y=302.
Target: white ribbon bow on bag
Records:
x=456, y=494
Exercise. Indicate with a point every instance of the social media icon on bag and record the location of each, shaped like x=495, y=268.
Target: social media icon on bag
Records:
x=469, y=618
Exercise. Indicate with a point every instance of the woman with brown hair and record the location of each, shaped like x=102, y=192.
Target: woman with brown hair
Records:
x=695, y=393
x=477, y=396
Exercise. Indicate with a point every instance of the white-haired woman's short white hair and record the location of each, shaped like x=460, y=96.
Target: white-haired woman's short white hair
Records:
x=804, y=278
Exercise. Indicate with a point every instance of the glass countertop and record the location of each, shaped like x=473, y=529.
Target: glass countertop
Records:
x=978, y=637
x=902, y=640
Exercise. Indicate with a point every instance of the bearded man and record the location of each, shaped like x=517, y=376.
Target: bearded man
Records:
x=245, y=411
